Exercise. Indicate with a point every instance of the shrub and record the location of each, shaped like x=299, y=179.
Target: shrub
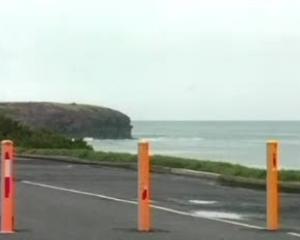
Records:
x=25, y=137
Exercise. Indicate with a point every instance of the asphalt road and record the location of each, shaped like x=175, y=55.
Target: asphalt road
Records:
x=62, y=201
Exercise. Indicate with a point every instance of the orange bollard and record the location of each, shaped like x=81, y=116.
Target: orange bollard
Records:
x=144, y=187
x=273, y=200
x=7, y=188
x=14, y=189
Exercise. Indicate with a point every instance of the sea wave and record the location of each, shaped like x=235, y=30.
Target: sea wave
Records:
x=172, y=139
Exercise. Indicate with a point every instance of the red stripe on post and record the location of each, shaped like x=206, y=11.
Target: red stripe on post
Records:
x=145, y=194
x=7, y=187
x=7, y=157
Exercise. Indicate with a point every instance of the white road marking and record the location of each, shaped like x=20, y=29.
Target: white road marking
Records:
x=135, y=203
x=218, y=214
x=294, y=234
x=208, y=218
x=202, y=202
x=79, y=192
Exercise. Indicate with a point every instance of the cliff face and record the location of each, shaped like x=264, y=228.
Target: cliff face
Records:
x=73, y=120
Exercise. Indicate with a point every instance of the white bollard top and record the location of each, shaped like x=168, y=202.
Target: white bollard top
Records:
x=143, y=140
x=6, y=142
x=146, y=141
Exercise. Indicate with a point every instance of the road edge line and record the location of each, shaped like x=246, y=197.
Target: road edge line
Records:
x=165, y=209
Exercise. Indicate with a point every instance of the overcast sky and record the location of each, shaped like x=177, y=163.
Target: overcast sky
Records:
x=155, y=59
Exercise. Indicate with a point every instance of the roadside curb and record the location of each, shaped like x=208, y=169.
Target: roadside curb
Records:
x=155, y=168
x=233, y=181
x=193, y=173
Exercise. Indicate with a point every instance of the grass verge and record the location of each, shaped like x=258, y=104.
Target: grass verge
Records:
x=230, y=174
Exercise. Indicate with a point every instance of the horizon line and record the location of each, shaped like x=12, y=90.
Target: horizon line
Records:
x=215, y=120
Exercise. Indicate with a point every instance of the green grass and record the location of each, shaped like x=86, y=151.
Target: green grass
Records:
x=225, y=169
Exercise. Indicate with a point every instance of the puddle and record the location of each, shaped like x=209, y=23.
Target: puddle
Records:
x=202, y=202
x=215, y=214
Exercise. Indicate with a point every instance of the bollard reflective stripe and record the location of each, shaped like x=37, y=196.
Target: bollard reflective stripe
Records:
x=7, y=156
x=273, y=200
x=144, y=187
x=7, y=188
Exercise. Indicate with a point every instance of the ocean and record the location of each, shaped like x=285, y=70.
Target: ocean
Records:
x=240, y=142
